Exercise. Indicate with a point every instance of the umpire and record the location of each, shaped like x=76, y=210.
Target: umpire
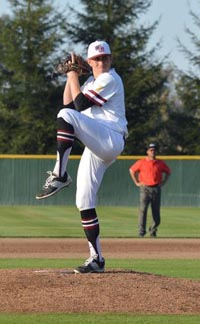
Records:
x=149, y=174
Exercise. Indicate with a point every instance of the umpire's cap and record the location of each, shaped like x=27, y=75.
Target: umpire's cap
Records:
x=152, y=145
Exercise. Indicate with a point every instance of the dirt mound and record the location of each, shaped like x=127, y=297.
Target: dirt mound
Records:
x=37, y=291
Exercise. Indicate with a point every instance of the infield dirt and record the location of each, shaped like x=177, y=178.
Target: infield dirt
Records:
x=117, y=290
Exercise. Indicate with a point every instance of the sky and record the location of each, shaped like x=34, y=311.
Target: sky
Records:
x=174, y=18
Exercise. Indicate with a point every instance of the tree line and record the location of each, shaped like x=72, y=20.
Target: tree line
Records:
x=162, y=103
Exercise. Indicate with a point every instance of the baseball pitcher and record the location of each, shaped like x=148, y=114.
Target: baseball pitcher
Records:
x=94, y=114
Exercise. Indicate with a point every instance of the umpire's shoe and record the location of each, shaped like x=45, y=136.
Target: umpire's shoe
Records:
x=54, y=184
x=91, y=265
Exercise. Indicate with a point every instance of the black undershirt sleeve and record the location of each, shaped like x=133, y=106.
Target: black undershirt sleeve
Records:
x=69, y=105
x=81, y=102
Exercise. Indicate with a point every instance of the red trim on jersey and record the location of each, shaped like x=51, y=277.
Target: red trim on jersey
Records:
x=93, y=100
x=97, y=95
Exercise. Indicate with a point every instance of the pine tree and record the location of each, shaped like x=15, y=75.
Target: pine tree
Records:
x=29, y=40
x=187, y=119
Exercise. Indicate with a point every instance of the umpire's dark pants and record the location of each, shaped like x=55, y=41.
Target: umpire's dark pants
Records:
x=149, y=195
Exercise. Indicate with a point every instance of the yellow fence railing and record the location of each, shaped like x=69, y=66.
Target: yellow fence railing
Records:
x=77, y=157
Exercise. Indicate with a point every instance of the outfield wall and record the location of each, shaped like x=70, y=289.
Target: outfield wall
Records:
x=22, y=176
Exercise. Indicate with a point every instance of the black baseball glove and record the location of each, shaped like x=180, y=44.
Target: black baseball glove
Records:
x=79, y=65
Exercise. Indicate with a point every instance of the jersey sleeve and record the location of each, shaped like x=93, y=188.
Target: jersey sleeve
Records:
x=101, y=90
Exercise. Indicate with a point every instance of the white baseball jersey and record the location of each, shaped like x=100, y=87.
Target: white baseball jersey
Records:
x=101, y=129
x=107, y=93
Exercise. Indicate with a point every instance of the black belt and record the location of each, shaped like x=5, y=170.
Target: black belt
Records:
x=153, y=186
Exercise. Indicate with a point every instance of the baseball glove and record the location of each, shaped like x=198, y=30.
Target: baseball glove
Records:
x=80, y=65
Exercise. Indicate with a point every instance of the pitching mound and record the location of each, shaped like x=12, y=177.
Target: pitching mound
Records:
x=35, y=290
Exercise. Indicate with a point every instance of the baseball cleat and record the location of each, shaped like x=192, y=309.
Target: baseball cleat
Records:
x=91, y=265
x=152, y=232
x=53, y=184
x=141, y=235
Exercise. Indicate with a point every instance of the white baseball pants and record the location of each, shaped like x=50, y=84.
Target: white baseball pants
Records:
x=102, y=146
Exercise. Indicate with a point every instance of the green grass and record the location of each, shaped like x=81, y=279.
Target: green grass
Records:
x=183, y=268
x=98, y=319
x=64, y=221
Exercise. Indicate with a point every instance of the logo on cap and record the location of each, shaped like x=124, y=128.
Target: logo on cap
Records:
x=99, y=48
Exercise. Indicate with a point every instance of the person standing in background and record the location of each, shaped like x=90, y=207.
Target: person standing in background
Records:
x=150, y=174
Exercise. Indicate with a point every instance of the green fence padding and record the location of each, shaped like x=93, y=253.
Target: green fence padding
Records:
x=22, y=178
